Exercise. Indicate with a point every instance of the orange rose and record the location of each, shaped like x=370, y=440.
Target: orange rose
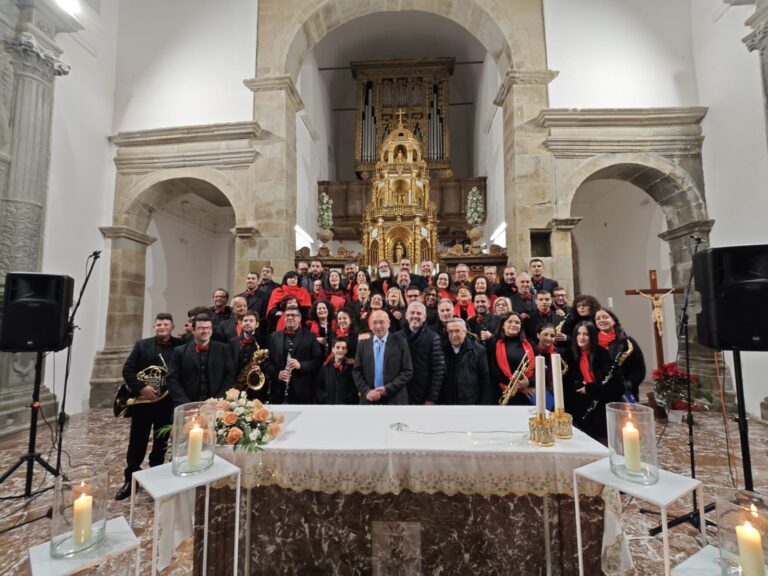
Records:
x=234, y=435
x=233, y=394
x=279, y=418
x=273, y=430
x=257, y=404
x=262, y=414
x=229, y=418
x=222, y=405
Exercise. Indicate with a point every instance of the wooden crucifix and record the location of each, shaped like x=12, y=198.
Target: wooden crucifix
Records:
x=656, y=296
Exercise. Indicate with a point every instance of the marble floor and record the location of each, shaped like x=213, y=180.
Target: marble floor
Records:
x=98, y=437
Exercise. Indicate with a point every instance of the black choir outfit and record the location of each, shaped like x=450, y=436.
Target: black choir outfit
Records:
x=537, y=319
x=258, y=298
x=542, y=283
x=304, y=347
x=468, y=380
x=479, y=323
x=200, y=372
x=242, y=348
x=335, y=384
x=504, y=356
x=633, y=366
x=148, y=416
x=523, y=303
x=219, y=315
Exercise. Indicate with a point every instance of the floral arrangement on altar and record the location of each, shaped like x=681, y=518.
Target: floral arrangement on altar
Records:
x=325, y=211
x=475, y=207
x=242, y=423
x=672, y=386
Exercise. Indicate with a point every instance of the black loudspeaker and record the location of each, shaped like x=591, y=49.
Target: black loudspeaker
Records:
x=733, y=282
x=36, y=312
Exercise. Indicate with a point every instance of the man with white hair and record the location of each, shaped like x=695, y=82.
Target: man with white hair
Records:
x=468, y=379
x=426, y=355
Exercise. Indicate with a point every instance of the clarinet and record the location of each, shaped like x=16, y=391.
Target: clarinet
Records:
x=617, y=362
x=290, y=370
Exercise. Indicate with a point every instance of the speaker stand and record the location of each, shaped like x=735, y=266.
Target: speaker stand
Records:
x=32, y=455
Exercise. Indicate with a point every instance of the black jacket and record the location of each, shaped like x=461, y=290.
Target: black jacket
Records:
x=306, y=350
x=336, y=386
x=428, y=364
x=147, y=353
x=184, y=375
x=545, y=283
x=398, y=369
x=468, y=380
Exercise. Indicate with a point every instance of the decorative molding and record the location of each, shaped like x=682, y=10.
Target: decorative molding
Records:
x=139, y=164
x=187, y=134
x=275, y=83
x=615, y=117
x=127, y=233
x=588, y=146
x=758, y=38
x=566, y=224
x=35, y=58
x=694, y=227
x=522, y=77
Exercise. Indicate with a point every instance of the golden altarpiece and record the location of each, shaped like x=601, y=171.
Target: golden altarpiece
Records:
x=400, y=220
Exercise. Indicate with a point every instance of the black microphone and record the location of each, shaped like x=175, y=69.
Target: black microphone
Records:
x=697, y=239
x=96, y=254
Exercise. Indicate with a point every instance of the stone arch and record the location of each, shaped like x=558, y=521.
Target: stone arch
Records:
x=672, y=187
x=283, y=45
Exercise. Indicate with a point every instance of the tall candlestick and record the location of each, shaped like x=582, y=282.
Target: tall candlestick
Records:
x=557, y=380
x=750, y=550
x=195, y=446
x=541, y=386
x=631, y=436
x=82, y=518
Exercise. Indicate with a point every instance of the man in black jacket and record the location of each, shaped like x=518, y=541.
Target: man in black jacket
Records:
x=258, y=290
x=155, y=351
x=202, y=368
x=295, y=357
x=426, y=356
x=468, y=380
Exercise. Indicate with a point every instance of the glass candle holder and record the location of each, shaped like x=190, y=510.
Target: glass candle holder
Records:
x=194, y=437
x=632, y=442
x=742, y=520
x=80, y=498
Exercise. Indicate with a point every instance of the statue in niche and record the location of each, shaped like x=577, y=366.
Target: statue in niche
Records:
x=399, y=252
x=400, y=157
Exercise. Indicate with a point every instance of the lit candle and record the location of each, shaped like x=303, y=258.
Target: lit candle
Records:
x=82, y=518
x=541, y=386
x=557, y=380
x=195, y=445
x=750, y=548
x=631, y=436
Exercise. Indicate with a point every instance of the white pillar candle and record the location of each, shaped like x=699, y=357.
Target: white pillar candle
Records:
x=541, y=386
x=82, y=518
x=610, y=303
x=557, y=380
x=631, y=436
x=750, y=550
x=195, y=445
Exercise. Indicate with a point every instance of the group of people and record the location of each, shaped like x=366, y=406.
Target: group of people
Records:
x=397, y=338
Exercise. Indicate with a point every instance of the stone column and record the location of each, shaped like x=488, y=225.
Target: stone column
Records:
x=125, y=311
x=758, y=40
x=562, y=253
x=528, y=181
x=273, y=188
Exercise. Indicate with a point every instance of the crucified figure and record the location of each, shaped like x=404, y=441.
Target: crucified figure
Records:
x=657, y=314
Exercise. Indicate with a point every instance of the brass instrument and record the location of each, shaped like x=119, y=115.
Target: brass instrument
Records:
x=251, y=376
x=514, y=380
x=153, y=376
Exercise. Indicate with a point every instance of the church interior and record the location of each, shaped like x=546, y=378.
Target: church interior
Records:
x=190, y=142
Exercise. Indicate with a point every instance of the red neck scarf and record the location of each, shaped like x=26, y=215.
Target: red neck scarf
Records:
x=503, y=362
x=527, y=296
x=586, y=373
x=446, y=294
x=549, y=350
x=469, y=310
x=342, y=333
x=249, y=293
x=605, y=339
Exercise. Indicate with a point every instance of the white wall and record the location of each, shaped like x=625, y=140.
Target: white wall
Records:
x=184, y=266
x=617, y=244
x=183, y=62
x=489, y=145
x=82, y=181
x=735, y=153
x=620, y=54
x=313, y=157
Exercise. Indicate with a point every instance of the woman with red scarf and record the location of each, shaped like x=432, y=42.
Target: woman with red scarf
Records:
x=506, y=350
x=290, y=287
x=334, y=294
x=612, y=337
x=322, y=324
x=590, y=382
x=443, y=283
x=346, y=330
x=464, y=308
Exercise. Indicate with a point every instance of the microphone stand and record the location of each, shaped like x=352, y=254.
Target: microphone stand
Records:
x=682, y=331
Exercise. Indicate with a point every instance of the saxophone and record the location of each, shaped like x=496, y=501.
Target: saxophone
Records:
x=514, y=381
x=251, y=376
x=617, y=362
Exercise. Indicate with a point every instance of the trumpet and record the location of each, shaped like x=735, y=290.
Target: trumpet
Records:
x=514, y=381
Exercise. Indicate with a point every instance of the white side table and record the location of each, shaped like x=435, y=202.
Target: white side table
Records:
x=160, y=482
x=700, y=564
x=668, y=489
x=118, y=539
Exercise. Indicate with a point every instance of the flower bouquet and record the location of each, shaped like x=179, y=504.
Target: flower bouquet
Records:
x=242, y=423
x=672, y=386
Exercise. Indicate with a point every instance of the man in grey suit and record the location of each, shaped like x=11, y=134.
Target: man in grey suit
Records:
x=383, y=366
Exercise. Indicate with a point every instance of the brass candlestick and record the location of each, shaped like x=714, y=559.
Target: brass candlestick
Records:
x=563, y=424
x=541, y=430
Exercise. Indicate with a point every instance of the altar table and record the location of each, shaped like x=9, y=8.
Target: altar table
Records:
x=411, y=490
